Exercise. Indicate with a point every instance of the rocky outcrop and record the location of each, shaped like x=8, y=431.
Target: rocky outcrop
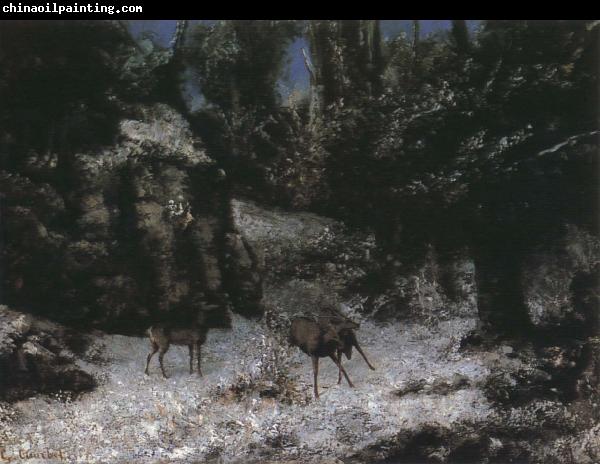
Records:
x=39, y=356
x=135, y=231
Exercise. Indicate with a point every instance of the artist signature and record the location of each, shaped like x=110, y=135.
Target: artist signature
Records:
x=22, y=455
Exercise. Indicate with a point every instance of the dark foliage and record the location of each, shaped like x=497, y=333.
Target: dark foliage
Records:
x=56, y=80
x=490, y=147
x=481, y=144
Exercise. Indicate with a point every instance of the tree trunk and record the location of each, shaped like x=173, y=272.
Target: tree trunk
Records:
x=415, y=46
x=377, y=63
x=171, y=82
x=326, y=56
x=460, y=33
x=416, y=38
x=500, y=300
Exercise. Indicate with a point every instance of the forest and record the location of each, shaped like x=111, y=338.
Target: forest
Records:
x=441, y=189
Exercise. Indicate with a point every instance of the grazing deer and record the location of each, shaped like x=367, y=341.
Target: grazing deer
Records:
x=319, y=340
x=347, y=338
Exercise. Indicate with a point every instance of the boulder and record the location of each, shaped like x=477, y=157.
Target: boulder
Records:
x=36, y=357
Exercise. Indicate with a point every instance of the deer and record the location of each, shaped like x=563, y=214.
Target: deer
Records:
x=162, y=336
x=320, y=340
x=346, y=336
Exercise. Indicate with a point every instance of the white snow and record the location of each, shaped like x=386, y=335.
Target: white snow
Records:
x=133, y=417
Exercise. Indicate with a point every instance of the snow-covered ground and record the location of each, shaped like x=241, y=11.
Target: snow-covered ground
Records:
x=255, y=401
x=132, y=417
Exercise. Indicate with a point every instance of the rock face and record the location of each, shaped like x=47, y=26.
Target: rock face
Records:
x=128, y=233
x=38, y=356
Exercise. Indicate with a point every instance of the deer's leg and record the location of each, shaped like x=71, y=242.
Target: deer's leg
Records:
x=154, y=350
x=191, y=347
x=362, y=354
x=198, y=349
x=161, y=355
x=339, y=355
x=315, y=363
x=335, y=359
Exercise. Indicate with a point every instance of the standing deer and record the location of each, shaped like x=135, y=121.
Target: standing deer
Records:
x=320, y=340
x=161, y=338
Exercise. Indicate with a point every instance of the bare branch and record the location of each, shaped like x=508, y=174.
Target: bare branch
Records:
x=309, y=66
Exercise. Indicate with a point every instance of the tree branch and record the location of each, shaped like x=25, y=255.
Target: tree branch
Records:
x=309, y=66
